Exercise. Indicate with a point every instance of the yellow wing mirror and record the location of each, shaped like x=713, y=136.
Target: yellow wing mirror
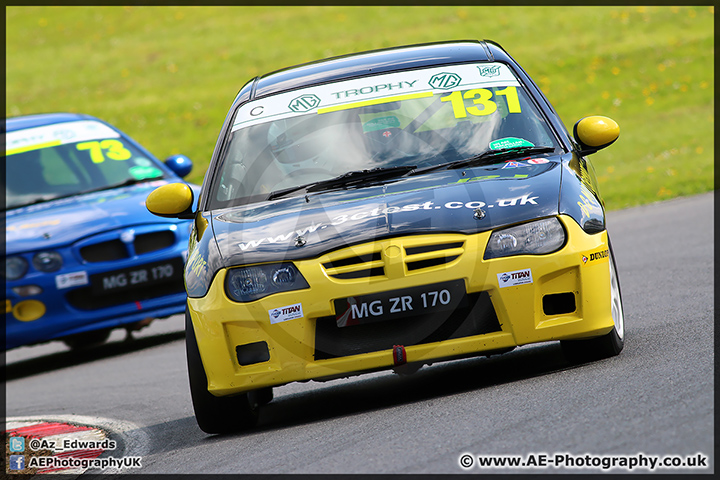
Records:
x=174, y=200
x=595, y=132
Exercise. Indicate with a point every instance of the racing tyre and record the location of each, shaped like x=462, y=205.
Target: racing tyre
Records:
x=87, y=339
x=610, y=344
x=215, y=414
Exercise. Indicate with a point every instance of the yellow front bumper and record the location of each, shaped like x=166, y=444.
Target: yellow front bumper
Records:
x=580, y=268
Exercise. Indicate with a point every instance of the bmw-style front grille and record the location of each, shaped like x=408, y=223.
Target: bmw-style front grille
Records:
x=104, y=251
x=151, y=242
x=116, y=249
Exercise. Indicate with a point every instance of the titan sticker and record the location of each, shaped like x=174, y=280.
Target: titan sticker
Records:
x=283, y=314
x=512, y=279
x=73, y=279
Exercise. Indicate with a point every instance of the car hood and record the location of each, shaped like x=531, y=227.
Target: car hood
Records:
x=60, y=222
x=437, y=202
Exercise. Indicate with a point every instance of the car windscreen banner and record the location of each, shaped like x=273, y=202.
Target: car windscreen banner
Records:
x=57, y=134
x=473, y=79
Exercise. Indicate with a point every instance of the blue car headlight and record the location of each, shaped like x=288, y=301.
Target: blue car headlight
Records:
x=533, y=238
x=15, y=268
x=47, y=261
x=247, y=284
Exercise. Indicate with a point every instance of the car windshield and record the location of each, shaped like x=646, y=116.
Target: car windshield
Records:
x=417, y=118
x=66, y=159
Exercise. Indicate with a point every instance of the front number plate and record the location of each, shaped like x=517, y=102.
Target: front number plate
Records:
x=422, y=300
x=137, y=277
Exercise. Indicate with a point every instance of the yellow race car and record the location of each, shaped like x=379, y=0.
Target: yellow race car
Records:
x=386, y=210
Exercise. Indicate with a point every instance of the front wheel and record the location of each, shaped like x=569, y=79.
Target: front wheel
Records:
x=610, y=344
x=215, y=414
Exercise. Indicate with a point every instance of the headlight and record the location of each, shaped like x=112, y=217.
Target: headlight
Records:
x=47, y=261
x=15, y=267
x=27, y=290
x=252, y=283
x=534, y=238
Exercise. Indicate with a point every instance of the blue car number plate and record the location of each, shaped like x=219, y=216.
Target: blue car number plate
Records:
x=422, y=300
x=137, y=277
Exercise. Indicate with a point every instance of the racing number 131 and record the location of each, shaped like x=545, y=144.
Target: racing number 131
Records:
x=481, y=96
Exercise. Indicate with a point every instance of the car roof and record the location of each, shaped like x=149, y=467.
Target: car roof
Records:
x=374, y=62
x=38, y=120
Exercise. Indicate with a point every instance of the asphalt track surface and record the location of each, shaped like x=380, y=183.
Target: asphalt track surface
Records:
x=656, y=398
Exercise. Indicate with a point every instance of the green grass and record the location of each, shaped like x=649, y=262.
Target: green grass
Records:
x=167, y=75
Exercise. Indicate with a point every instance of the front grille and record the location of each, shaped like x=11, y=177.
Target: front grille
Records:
x=477, y=317
x=356, y=266
x=104, y=251
x=426, y=256
x=84, y=299
x=113, y=250
x=151, y=242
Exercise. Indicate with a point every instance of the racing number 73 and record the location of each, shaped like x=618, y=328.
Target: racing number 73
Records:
x=481, y=96
x=113, y=149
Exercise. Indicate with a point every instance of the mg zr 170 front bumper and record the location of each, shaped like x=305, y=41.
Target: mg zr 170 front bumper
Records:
x=512, y=301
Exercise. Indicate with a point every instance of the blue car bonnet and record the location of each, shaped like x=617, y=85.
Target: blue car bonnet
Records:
x=60, y=222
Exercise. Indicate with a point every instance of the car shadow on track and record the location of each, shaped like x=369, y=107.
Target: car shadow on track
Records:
x=70, y=358
x=360, y=395
x=436, y=381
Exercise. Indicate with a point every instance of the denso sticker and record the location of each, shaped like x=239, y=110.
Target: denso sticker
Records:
x=73, y=279
x=283, y=314
x=512, y=279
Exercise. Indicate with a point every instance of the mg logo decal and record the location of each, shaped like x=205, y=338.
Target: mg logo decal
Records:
x=443, y=81
x=492, y=71
x=303, y=103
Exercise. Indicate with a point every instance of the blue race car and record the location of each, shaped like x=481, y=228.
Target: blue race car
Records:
x=83, y=254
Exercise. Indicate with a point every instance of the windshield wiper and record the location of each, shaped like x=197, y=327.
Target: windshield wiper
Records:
x=126, y=183
x=488, y=157
x=356, y=177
